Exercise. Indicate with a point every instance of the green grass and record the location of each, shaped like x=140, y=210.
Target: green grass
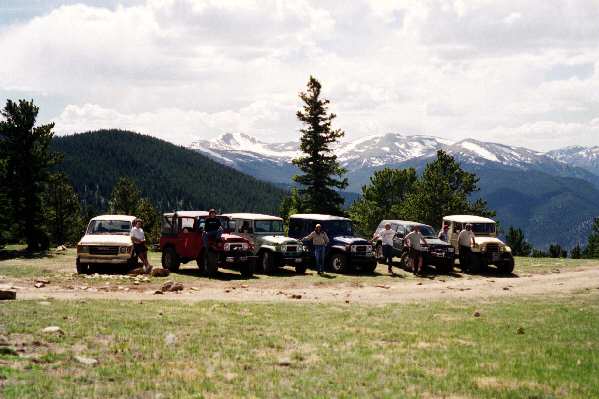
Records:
x=301, y=350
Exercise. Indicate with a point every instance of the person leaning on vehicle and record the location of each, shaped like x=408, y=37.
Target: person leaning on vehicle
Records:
x=466, y=242
x=386, y=235
x=138, y=238
x=414, y=240
x=319, y=241
x=444, y=233
x=213, y=229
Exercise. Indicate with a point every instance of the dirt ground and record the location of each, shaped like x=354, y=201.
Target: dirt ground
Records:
x=401, y=288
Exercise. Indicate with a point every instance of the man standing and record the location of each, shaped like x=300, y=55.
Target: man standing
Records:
x=443, y=234
x=320, y=241
x=212, y=228
x=138, y=238
x=466, y=242
x=414, y=240
x=386, y=235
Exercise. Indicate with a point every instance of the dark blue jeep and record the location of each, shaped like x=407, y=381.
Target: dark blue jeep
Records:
x=345, y=251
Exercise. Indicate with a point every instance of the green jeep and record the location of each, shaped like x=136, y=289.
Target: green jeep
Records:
x=273, y=248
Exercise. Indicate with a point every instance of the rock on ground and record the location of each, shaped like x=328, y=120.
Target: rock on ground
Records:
x=53, y=330
x=88, y=361
x=160, y=272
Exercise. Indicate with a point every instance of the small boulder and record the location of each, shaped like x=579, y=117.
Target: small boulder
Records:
x=520, y=330
x=158, y=292
x=177, y=287
x=88, y=361
x=53, y=330
x=159, y=272
x=7, y=350
x=170, y=339
x=39, y=285
x=166, y=286
x=42, y=281
x=476, y=314
x=284, y=361
x=8, y=295
x=296, y=296
x=61, y=248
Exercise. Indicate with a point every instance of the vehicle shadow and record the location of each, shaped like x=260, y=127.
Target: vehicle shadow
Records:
x=6, y=254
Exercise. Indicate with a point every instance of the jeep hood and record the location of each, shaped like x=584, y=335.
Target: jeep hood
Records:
x=488, y=240
x=436, y=241
x=105, y=239
x=349, y=240
x=276, y=240
x=232, y=238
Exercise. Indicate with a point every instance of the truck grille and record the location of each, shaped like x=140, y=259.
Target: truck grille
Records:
x=101, y=250
x=291, y=248
x=360, y=248
x=492, y=248
x=236, y=247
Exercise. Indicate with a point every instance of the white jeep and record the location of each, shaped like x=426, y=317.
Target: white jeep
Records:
x=488, y=249
x=106, y=241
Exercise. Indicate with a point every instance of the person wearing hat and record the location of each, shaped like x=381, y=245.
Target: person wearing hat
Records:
x=213, y=229
x=138, y=238
x=466, y=242
x=444, y=233
x=320, y=241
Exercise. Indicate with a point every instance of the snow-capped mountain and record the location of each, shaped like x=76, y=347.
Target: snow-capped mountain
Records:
x=582, y=157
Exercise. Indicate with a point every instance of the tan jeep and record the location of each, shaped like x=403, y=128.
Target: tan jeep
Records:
x=488, y=249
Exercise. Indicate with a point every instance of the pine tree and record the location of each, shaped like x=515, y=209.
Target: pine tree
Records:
x=516, y=241
x=151, y=220
x=379, y=200
x=592, y=248
x=27, y=159
x=125, y=197
x=322, y=173
x=556, y=251
x=443, y=189
x=576, y=252
x=63, y=211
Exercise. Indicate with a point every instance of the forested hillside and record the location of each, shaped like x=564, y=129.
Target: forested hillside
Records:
x=172, y=177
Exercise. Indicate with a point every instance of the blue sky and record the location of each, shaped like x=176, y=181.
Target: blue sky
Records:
x=521, y=73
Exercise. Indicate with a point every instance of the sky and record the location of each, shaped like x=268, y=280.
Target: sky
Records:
x=523, y=73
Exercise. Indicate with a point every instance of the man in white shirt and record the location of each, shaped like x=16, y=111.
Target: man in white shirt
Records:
x=138, y=238
x=466, y=242
x=386, y=235
x=414, y=242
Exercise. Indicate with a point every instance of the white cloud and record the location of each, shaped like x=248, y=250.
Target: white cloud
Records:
x=180, y=69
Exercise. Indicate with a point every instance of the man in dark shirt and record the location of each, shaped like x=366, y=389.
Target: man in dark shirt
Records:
x=212, y=227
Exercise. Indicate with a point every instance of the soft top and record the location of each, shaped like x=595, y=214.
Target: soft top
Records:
x=467, y=219
x=188, y=214
x=128, y=218
x=316, y=216
x=252, y=216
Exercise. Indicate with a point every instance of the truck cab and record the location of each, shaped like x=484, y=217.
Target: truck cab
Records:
x=345, y=251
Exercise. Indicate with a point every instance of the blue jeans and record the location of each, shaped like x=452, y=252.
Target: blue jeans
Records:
x=319, y=254
x=212, y=235
x=388, y=254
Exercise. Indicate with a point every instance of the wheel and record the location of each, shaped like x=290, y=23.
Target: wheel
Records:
x=378, y=251
x=267, y=261
x=506, y=267
x=338, y=262
x=445, y=266
x=132, y=263
x=475, y=263
x=211, y=263
x=170, y=259
x=82, y=268
x=300, y=269
x=247, y=268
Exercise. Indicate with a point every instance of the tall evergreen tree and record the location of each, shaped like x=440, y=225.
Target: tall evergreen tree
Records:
x=322, y=173
x=25, y=151
x=592, y=248
x=125, y=197
x=63, y=212
x=151, y=219
x=443, y=189
x=515, y=239
x=5, y=208
x=556, y=251
x=387, y=188
x=576, y=252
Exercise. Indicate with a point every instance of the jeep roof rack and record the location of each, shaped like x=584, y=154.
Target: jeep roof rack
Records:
x=316, y=216
x=255, y=216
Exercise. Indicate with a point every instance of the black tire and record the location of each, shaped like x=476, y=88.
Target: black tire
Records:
x=247, y=268
x=338, y=262
x=300, y=268
x=211, y=263
x=445, y=266
x=506, y=267
x=170, y=259
x=82, y=268
x=475, y=265
x=267, y=262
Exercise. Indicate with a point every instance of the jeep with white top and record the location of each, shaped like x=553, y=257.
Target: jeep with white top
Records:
x=487, y=249
x=106, y=241
x=273, y=248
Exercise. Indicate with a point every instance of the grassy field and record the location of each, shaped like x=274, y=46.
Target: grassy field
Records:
x=516, y=349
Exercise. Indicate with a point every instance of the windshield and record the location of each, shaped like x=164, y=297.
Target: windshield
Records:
x=109, y=227
x=483, y=228
x=269, y=226
x=426, y=231
x=338, y=228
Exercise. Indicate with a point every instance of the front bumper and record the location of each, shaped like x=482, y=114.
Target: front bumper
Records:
x=109, y=259
x=357, y=258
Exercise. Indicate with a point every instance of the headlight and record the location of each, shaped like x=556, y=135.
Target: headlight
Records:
x=369, y=248
x=83, y=249
x=125, y=250
x=450, y=249
x=506, y=248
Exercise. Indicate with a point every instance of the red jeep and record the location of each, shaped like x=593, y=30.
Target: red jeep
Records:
x=181, y=241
